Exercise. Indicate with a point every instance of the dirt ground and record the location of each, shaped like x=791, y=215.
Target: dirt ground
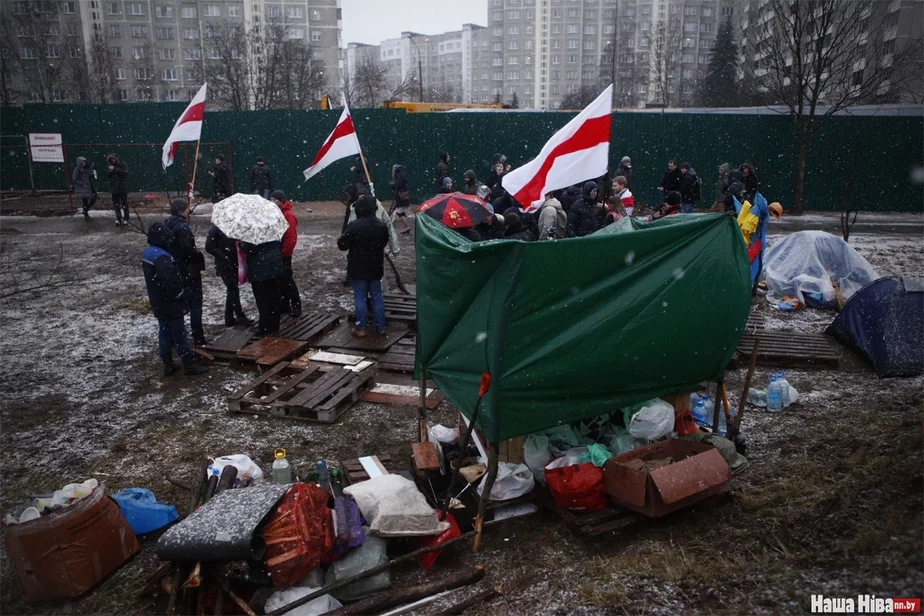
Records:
x=832, y=503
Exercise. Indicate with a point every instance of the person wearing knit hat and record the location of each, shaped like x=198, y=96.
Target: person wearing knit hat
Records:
x=445, y=185
x=671, y=206
x=191, y=263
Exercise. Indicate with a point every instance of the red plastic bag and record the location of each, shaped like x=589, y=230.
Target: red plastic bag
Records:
x=684, y=423
x=578, y=487
x=297, y=534
x=241, y=264
x=429, y=559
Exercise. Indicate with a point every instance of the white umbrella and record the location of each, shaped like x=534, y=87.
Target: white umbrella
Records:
x=249, y=218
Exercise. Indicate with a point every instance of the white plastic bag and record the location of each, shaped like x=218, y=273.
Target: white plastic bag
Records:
x=536, y=454
x=246, y=468
x=655, y=420
x=620, y=441
x=394, y=507
x=315, y=607
x=372, y=553
x=443, y=434
x=572, y=456
x=513, y=481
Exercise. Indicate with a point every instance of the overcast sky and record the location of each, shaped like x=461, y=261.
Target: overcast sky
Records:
x=372, y=21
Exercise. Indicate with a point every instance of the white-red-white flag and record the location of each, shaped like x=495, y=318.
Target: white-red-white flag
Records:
x=580, y=150
x=342, y=142
x=187, y=128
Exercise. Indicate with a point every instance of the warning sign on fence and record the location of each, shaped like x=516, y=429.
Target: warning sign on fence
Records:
x=46, y=147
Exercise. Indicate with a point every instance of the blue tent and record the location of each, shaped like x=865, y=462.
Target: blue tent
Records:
x=885, y=320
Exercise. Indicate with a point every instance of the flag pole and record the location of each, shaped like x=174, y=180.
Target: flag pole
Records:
x=362, y=159
x=192, y=184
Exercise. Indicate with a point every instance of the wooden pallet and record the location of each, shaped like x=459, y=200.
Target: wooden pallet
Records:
x=270, y=351
x=786, y=349
x=613, y=518
x=353, y=471
x=309, y=394
x=398, y=307
x=307, y=326
x=225, y=347
x=342, y=338
x=400, y=357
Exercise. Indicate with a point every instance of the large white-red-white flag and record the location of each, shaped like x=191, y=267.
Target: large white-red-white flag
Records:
x=342, y=142
x=187, y=128
x=580, y=150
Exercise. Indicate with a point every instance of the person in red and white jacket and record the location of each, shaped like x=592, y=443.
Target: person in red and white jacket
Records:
x=290, y=301
x=622, y=203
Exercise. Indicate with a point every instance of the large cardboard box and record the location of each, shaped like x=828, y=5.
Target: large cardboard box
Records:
x=694, y=471
x=66, y=553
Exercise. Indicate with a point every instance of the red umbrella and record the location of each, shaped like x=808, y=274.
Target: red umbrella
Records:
x=456, y=210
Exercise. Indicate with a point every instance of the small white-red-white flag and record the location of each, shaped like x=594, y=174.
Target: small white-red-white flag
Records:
x=187, y=128
x=578, y=151
x=342, y=142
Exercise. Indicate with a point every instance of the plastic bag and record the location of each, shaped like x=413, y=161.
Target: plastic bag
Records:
x=241, y=264
x=443, y=434
x=394, y=507
x=348, y=531
x=429, y=559
x=536, y=454
x=578, y=487
x=653, y=421
x=596, y=454
x=620, y=441
x=246, y=469
x=315, y=607
x=513, y=481
x=371, y=553
x=298, y=534
x=143, y=512
x=561, y=439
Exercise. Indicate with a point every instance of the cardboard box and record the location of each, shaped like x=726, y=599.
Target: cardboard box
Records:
x=64, y=554
x=695, y=472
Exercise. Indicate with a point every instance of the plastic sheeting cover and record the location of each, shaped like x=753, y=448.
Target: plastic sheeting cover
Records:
x=807, y=262
x=571, y=329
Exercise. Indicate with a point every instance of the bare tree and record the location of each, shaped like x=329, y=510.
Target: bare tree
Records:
x=404, y=87
x=33, y=43
x=99, y=82
x=582, y=97
x=666, y=52
x=302, y=81
x=821, y=57
x=369, y=81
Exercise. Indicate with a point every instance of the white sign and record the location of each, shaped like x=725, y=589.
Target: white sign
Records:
x=46, y=147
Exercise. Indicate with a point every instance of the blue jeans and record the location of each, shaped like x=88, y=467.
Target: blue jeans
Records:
x=172, y=333
x=362, y=288
x=686, y=208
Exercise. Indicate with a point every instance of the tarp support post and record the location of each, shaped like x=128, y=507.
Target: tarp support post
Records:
x=717, y=411
x=422, y=432
x=486, y=493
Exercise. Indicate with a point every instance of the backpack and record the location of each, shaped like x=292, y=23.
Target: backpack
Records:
x=569, y=231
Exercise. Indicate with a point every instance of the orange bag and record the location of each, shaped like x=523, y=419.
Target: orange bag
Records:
x=429, y=559
x=298, y=534
x=578, y=487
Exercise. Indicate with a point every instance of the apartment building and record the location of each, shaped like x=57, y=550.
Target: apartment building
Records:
x=154, y=49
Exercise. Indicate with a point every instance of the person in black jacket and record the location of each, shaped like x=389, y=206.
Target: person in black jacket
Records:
x=499, y=167
x=366, y=238
x=516, y=230
x=261, y=179
x=735, y=186
x=750, y=181
x=625, y=170
x=191, y=262
x=266, y=271
x=164, y=284
x=569, y=197
x=689, y=188
x=362, y=180
x=224, y=249
x=221, y=187
x=117, y=172
x=586, y=215
x=446, y=186
x=401, y=188
x=671, y=179
x=442, y=170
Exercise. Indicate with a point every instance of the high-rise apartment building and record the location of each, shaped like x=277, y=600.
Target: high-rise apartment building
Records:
x=149, y=49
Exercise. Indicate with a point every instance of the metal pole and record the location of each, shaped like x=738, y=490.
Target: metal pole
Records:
x=67, y=179
x=192, y=184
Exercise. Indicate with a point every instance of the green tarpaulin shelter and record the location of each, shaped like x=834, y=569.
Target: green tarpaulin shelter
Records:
x=576, y=328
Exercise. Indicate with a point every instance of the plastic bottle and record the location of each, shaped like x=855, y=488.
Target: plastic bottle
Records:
x=757, y=397
x=323, y=474
x=785, y=397
x=335, y=485
x=282, y=470
x=699, y=413
x=774, y=396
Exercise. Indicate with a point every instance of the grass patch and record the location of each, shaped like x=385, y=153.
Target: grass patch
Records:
x=141, y=307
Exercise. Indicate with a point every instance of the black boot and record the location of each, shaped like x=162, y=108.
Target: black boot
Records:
x=169, y=366
x=192, y=367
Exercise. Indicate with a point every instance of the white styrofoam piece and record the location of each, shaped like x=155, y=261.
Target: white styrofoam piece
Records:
x=399, y=390
x=359, y=367
x=370, y=467
x=336, y=358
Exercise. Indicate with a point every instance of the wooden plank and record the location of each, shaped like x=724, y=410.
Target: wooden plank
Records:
x=248, y=387
x=230, y=340
x=290, y=385
x=342, y=338
x=319, y=394
x=425, y=458
x=270, y=351
x=350, y=392
x=322, y=385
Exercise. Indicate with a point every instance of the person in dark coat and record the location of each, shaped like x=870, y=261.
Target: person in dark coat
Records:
x=735, y=186
x=221, y=186
x=165, y=287
x=470, y=183
x=671, y=179
x=689, y=188
x=82, y=184
x=721, y=188
x=670, y=207
x=442, y=170
x=366, y=238
x=445, y=186
x=266, y=272
x=498, y=169
x=224, y=249
x=625, y=170
x=401, y=188
x=515, y=230
x=291, y=301
x=750, y=181
x=569, y=197
x=586, y=215
x=362, y=180
x=191, y=262
x=261, y=179
x=117, y=172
